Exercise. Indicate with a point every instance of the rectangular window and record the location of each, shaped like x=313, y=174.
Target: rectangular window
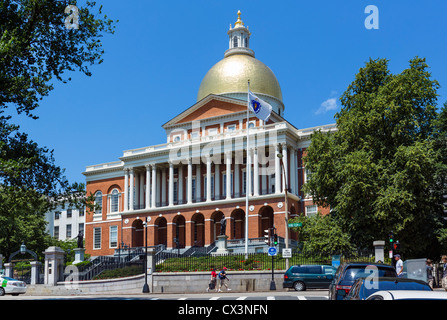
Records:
x=81, y=227
x=57, y=215
x=231, y=128
x=113, y=237
x=311, y=210
x=97, y=238
x=69, y=213
x=175, y=191
x=212, y=131
x=193, y=187
x=68, y=231
x=195, y=135
x=81, y=211
x=56, y=232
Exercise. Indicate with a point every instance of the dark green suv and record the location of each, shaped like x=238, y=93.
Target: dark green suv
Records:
x=301, y=277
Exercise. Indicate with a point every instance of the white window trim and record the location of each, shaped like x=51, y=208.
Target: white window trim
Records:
x=94, y=239
x=110, y=238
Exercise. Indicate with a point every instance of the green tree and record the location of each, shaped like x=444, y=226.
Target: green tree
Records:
x=320, y=233
x=440, y=143
x=377, y=171
x=35, y=47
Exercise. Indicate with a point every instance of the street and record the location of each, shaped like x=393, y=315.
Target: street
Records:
x=212, y=296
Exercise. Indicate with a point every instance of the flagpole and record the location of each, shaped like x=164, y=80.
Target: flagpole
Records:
x=247, y=180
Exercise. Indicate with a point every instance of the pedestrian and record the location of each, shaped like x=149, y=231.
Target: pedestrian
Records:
x=222, y=278
x=212, y=285
x=444, y=272
x=429, y=269
x=399, y=265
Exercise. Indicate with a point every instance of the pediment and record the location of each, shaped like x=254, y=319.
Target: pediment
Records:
x=209, y=107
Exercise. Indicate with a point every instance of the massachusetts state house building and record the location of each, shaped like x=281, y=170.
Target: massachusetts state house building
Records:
x=184, y=187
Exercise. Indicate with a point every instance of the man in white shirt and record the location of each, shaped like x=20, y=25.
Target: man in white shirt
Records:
x=399, y=265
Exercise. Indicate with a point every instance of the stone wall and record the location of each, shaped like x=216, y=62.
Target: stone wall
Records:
x=170, y=282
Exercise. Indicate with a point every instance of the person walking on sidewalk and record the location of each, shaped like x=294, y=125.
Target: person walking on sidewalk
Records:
x=213, y=281
x=222, y=278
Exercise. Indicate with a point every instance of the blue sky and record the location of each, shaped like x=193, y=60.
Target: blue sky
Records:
x=161, y=50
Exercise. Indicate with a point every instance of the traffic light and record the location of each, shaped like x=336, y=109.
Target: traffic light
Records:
x=391, y=237
x=267, y=235
x=396, y=245
x=275, y=239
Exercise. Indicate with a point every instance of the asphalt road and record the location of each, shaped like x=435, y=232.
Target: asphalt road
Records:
x=236, y=296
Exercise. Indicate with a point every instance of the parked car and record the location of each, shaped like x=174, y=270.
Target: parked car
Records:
x=11, y=286
x=408, y=295
x=365, y=287
x=302, y=277
x=348, y=272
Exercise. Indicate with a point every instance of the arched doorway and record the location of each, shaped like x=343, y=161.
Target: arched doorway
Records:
x=216, y=217
x=266, y=216
x=161, y=231
x=198, y=231
x=179, y=230
x=237, y=224
x=137, y=233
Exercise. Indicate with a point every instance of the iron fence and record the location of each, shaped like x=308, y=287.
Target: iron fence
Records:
x=172, y=262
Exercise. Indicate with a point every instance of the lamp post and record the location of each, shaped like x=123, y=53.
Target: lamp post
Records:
x=146, y=286
x=286, y=207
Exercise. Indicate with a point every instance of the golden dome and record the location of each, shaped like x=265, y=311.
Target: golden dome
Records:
x=231, y=75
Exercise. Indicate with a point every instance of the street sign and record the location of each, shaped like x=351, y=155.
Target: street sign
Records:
x=296, y=224
x=272, y=251
x=287, y=253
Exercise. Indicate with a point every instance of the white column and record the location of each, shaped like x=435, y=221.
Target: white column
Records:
x=126, y=189
x=154, y=186
x=255, y=172
x=264, y=186
x=148, y=186
x=277, y=171
x=249, y=173
x=158, y=187
x=171, y=184
x=136, y=192
x=180, y=184
x=198, y=183
x=286, y=167
x=237, y=187
x=189, y=188
x=131, y=186
x=228, y=163
x=208, y=179
x=293, y=170
x=216, y=181
x=141, y=204
x=163, y=187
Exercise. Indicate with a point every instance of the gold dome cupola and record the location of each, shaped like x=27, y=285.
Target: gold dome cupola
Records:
x=229, y=77
x=239, y=38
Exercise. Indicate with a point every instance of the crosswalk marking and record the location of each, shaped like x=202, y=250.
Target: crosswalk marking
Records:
x=214, y=298
x=301, y=298
x=241, y=298
x=270, y=298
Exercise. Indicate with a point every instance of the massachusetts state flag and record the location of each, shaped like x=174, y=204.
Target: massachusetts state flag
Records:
x=260, y=108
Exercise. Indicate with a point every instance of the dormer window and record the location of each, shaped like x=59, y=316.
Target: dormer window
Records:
x=177, y=138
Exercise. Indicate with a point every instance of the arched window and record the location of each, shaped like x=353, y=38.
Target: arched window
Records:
x=98, y=202
x=114, y=201
x=235, y=42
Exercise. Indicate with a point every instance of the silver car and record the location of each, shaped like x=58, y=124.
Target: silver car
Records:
x=11, y=286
